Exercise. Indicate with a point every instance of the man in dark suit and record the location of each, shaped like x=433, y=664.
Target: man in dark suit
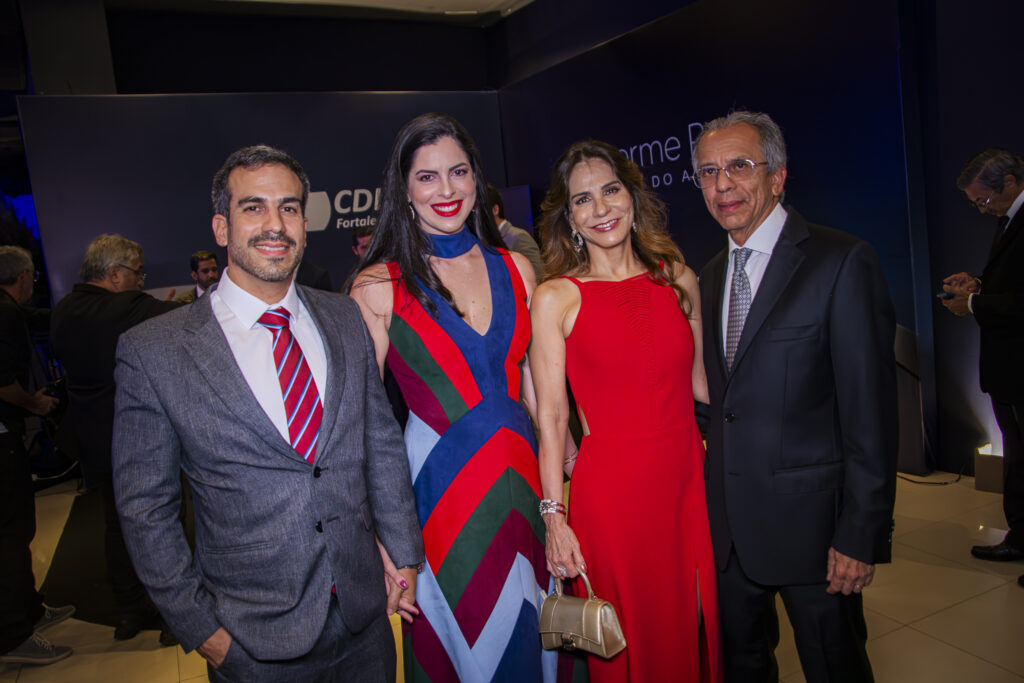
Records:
x=85, y=328
x=267, y=395
x=204, y=270
x=22, y=612
x=801, y=464
x=994, y=183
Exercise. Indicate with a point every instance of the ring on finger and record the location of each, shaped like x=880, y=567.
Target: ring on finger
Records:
x=561, y=570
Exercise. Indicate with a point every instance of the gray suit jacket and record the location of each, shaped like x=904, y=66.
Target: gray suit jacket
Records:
x=272, y=531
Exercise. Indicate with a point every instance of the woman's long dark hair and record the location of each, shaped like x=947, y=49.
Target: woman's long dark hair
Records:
x=398, y=236
x=651, y=242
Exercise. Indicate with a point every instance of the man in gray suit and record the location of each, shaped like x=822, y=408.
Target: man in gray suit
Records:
x=267, y=396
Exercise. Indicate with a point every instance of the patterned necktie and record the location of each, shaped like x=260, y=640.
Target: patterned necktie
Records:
x=298, y=388
x=739, y=304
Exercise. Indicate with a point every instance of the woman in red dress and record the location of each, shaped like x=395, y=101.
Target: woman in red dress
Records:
x=621, y=320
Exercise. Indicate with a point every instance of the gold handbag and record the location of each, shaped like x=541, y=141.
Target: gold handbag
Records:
x=589, y=624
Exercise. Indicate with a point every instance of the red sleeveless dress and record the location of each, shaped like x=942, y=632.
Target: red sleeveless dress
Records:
x=636, y=499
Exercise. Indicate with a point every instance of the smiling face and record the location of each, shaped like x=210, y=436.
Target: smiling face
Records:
x=739, y=207
x=265, y=232
x=600, y=206
x=442, y=189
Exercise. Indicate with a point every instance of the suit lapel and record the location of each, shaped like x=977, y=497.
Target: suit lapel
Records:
x=209, y=349
x=330, y=395
x=786, y=258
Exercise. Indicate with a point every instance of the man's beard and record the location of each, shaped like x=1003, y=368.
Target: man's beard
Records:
x=262, y=268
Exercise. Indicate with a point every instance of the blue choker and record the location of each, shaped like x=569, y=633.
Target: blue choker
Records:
x=450, y=246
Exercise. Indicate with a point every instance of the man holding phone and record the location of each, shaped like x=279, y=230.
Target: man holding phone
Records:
x=993, y=182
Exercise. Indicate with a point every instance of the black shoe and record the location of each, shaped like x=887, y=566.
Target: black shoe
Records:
x=1020, y=579
x=1004, y=552
x=129, y=625
x=168, y=639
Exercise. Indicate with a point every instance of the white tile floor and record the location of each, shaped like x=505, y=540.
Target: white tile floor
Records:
x=934, y=615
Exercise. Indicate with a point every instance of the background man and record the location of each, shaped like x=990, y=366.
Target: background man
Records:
x=22, y=612
x=801, y=464
x=85, y=327
x=993, y=182
x=203, y=266
x=267, y=396
x=516, y=239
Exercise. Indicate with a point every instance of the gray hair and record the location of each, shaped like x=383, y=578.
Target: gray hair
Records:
x=773, y=146
x=253, y=157
x=106, y=251
x=13, y=262
x=990, y=168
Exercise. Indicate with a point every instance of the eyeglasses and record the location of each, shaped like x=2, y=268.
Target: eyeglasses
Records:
x=981, y=204
x=737, y=169
x=139, y=272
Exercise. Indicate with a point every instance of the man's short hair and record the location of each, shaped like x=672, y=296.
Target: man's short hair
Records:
x=13, y=262
x=201, y=255
x=990, y=169
x=773, y=145
x=106, y=251
x=494, y=199
x=361, y=231
x=250, y=158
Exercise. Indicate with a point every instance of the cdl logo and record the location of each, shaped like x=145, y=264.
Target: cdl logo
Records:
x=318, y=208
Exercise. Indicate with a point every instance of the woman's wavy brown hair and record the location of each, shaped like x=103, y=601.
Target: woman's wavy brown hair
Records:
x=651, y=242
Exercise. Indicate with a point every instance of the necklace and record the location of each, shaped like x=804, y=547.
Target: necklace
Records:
x=450, y=246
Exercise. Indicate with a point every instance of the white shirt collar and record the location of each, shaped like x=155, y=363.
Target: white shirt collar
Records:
x=765, y=235
x=248, y=308
x=1015, y=206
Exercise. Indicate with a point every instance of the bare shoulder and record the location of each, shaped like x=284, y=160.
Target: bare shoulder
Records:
x=685, y=277
x=556, y=295
x=525, y=270
x=372, y=289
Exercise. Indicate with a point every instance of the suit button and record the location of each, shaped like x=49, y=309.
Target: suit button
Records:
x=316, y=472
x=319, y=526
x=729, y=417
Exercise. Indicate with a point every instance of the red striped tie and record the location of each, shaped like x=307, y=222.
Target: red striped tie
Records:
x=301, y=400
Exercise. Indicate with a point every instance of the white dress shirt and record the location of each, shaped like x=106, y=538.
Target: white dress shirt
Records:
x=761, y=244
x=238, y=313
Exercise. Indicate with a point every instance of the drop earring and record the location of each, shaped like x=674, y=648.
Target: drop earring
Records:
x=577, y=242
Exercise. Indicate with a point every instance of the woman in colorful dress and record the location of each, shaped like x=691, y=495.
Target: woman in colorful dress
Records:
x=622, y=321
x=446, y=305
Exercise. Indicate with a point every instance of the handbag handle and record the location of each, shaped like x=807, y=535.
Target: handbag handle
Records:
x=590, y=591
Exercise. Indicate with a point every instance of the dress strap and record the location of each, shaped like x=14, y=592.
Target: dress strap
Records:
x=514, y=276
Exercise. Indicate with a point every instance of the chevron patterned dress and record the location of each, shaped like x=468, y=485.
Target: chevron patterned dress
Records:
x=473, y=457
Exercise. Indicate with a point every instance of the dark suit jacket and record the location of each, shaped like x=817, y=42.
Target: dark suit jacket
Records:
x=802, y=437
x=272, y=532
x=84, y=331
x=314, y=276
x=17, y=323
x=999, y=311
